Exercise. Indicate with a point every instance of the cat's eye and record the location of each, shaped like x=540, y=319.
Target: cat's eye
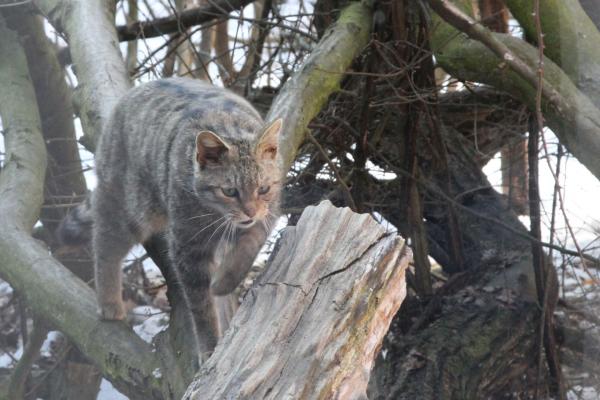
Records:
x=264, y=189
x=230, y=192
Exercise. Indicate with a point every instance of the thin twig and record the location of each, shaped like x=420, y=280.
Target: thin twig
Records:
x=335, y=170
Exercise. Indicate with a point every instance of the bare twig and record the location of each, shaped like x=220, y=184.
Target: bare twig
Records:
x=179, y=22
x=31, y=352
x=335, y=171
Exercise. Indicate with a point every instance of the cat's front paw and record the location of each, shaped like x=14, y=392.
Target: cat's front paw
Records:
x=114, y=311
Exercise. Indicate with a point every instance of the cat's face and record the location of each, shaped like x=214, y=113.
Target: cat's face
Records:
x=240, y=181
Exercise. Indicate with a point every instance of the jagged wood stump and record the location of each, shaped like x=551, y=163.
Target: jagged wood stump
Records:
x=313, y=322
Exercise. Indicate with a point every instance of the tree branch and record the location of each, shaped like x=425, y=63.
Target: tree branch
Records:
x=322, y=309
x=99, y=66
x=121, y=355
x=571, y=115
x=180, y=22
x=570, y=39
x=303, y=96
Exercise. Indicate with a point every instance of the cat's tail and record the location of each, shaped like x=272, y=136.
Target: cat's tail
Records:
x=76, y=228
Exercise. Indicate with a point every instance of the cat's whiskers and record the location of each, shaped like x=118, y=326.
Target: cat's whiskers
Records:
x=225, y=233
x=203, y=229
x=265, y=224
x=232, y=232
x=270, y=220
x=200, y=216
x=227, y=219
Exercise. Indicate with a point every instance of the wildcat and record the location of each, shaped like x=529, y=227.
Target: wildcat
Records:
x=194, y=162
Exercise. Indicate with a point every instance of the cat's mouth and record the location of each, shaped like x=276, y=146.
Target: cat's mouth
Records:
x=246, y=223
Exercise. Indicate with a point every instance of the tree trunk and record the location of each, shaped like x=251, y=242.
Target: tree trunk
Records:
x=67, y=303
x=312, y=325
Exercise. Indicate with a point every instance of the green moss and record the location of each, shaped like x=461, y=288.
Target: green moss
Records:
x=303, y=97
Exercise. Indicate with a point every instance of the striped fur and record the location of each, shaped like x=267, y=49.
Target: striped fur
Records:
x=173, y=153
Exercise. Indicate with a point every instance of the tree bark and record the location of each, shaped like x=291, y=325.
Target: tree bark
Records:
x=476, y=336
x=66, y=302
x=303, y=96
x=99, y=66
x=322, y=309
x=52, y=291
x=64, y=184
x=569, y=112
x=570, y=40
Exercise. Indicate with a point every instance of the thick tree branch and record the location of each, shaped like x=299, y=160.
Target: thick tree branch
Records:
x=510, y=64
x=22, y=175
x=180, y=22
x=26, y=265
x=570, y=39
x=322, y=309
x=99, y=66
x=303, y=96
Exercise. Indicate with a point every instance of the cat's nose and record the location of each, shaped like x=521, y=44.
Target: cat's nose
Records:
x=250, y=211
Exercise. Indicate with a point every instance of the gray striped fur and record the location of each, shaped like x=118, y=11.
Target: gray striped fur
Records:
x=151, y=180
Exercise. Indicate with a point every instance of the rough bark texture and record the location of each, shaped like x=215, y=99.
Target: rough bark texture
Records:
x=52, y=291
x=101, y=72
x=576, y=121
x=321, y=310
x=478, y=332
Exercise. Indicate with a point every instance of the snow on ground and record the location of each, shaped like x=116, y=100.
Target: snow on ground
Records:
x=108, y=392
x=154, y=321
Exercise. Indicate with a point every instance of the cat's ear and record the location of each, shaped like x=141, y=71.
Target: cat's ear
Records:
x=210, y=148
x=267, y=146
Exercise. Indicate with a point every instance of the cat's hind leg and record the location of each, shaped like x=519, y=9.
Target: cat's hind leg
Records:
x=112, y=240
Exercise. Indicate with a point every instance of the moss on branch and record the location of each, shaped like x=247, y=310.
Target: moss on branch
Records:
x=569, y=112
x=54, y=293
x=570, y=40
x=305, y=94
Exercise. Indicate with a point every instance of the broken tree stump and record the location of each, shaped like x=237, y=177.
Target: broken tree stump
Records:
x=313, y=323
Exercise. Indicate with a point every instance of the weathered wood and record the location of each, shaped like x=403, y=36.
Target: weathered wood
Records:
x=313, y=323
x=99, y=66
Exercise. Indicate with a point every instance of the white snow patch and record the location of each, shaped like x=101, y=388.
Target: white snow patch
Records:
x=108, y=392
x=156, y=321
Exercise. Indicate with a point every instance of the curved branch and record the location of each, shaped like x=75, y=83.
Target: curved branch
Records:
x=570, y=40
x=303, y=96
x=180, y=22
x=121, y=355
x=99, y=65
x=510, y=64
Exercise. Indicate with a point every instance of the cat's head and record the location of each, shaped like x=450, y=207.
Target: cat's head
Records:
x=240, y=180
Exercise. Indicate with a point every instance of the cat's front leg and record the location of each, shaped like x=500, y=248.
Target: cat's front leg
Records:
x=237, y=259
x=191, y=263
